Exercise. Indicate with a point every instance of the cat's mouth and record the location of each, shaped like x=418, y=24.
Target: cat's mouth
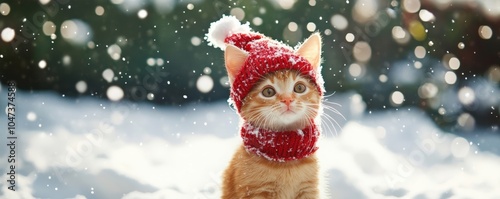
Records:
x=288, y=112
x=290, y=115
x=288, y=109
x=291, y=111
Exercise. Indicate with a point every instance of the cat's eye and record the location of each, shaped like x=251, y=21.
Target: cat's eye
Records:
x=268, y=92
x=299, y=88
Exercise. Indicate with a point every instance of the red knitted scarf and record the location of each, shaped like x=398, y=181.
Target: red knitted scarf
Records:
x=280, y=146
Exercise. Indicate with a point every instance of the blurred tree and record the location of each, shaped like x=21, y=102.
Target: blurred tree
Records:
x=394, y=53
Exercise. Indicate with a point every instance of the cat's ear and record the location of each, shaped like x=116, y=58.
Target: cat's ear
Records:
x=311, y=50
x=235, y=59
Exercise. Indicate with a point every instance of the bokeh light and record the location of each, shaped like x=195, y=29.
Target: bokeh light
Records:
x=454, y=63
x=349, y=37
x=493, y=74
x=257, y=21
x=238, y=13
x=339, y=22
x=362, y=51
x=114, y=51
x=400, y=35
x=364, y=10
x=4, y=9
x=142, y=14
x=411, y=6
x=450, y=77
x=204, y=83
x=108, y=75
x=42, y=64
x=292, y=26
x=31, y=116
x=426, y=16
x=99, y=10
x=420, y=52
x=466, y=121
x=8, y=34
x=397, y=98
x=196, y=41
x=417, y=30
x=49, y=28
x=76, y=31
x=115, y=93
x=450, y=61
x=428, y=91
x=311, y=27
x=81, y=86
x=485, y=32
x=355, y=70
x=466, y=95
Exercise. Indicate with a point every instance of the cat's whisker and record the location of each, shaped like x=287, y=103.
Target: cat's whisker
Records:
x=268, y=117
x=326, y=96
x=261, y=120
x=328, y=108
x=326, y=100
x=330, y=127
x=264, y=117
x=331, y=103
x=331, y=123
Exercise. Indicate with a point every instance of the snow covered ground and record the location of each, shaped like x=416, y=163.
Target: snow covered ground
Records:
x=88, y=148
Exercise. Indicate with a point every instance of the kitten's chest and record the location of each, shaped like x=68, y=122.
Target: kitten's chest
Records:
x=296, y=178
x=289, y=180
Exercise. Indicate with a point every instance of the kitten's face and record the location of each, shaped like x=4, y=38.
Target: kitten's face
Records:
x=282, y=101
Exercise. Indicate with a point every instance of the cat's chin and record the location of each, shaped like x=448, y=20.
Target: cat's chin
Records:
x=284, y=123
x=287, y=120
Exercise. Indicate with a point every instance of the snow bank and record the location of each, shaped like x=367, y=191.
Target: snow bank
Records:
x=88, y=148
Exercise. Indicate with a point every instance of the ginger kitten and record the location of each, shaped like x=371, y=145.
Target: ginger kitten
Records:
x=282, y=101
x=277, y=91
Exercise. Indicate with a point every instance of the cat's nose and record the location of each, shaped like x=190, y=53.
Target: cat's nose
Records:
x=287, y=101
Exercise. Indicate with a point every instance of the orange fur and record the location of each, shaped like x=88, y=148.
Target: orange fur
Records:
x=251, y=176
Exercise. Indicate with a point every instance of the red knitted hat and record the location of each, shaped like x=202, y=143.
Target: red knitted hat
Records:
x=264, y=56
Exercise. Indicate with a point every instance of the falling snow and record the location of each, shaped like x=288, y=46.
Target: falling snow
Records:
x=417, y=82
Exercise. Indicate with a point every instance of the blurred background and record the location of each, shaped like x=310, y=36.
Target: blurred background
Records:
x=440, y=55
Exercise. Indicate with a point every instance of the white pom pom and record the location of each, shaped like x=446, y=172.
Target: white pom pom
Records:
x=219, y=30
